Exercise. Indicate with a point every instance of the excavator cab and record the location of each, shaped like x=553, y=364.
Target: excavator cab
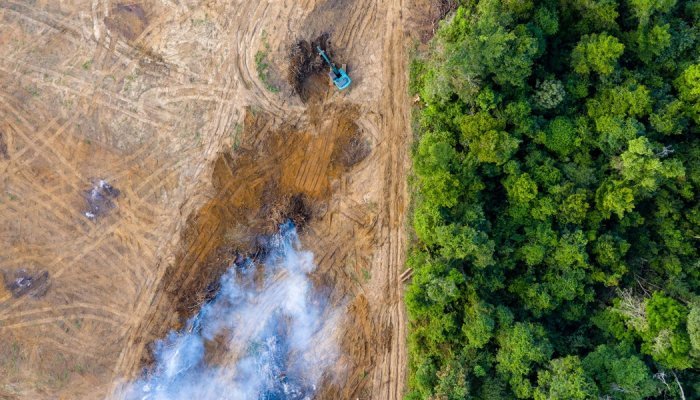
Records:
x=340, y=78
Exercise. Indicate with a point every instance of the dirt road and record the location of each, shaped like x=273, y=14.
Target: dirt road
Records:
x=164, y=100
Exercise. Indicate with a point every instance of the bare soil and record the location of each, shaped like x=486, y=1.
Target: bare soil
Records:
x=162, y=100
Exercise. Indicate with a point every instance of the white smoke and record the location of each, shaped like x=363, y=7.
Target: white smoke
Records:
x=275, y=328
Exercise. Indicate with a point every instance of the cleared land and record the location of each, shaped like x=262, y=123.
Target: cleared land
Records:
x=164, y=100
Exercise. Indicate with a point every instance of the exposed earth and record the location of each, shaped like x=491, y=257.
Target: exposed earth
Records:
x=202, y=152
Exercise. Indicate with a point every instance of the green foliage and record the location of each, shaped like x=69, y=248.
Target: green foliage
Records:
x=573, y=209
x=476, y=44
x=520, y=348
x=549, y=94
x=521, y=189
x=547, y=19
x=688, y=85
x=562, y=137
x=643, y=9
x=620, y=373
x=609, y=252
x=565, y=380
x=452, y=382
x=640, y=166
x=667, y=339
x=651, y=43
x=596, y=53
x=613, y=197
x=694, y=329
x=556, y=213
x=484, y=136
x=669, y=119
x=478, y=331
x=587, y=16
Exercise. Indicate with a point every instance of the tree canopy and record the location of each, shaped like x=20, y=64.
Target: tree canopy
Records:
x=556, y=182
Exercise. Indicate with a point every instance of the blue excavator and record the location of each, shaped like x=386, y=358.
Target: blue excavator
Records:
x=340, y=78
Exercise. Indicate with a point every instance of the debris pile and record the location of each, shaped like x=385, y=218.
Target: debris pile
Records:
x=100, y=199
x=22, y=283
x=305, y=62
x=298, y=210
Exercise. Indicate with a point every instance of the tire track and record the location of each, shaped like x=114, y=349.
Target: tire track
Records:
x=64, y=317
x=389, y=380
x=55, y=309
x=134, y=246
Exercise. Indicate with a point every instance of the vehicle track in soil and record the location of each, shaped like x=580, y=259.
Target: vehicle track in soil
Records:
x=152, y=114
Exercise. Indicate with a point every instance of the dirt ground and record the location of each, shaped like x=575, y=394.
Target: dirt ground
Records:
x=164, y=102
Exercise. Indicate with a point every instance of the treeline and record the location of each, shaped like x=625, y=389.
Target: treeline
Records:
x=556, y=215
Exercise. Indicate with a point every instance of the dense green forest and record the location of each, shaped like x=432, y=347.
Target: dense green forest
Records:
x=556, y=178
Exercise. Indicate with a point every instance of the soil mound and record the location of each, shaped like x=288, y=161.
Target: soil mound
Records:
x=278, y=174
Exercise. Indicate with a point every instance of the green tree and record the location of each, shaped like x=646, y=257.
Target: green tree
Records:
x=555, y=183
x=562, y=136
x=464, y=242
x=620, y=373
x=667, y=339
x=644, y=9
x=590, y=16
x=640, y=166
x=613, y=197
x=547, y=19
x=688, y=86
x=616, y=131
x=596, y=53
x=494, y=147
x=694, y=329
x=521, y=189
x=452, y=382
x=651, y=43
x=549, y=94
x=436, y=161
x=574, y=208
x=610, y=251
x=565, y=379
x=479, y=324
x=669, y=119
x=522, y=347
x=627, y=100
x=486, y=138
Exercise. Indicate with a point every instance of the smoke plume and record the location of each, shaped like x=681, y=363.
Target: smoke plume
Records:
x=275, y=330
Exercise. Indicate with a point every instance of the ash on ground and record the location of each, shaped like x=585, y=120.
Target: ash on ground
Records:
x=22, y=282
x=100, y=199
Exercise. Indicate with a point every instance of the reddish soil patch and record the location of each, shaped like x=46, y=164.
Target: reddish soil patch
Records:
x=275, y=175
